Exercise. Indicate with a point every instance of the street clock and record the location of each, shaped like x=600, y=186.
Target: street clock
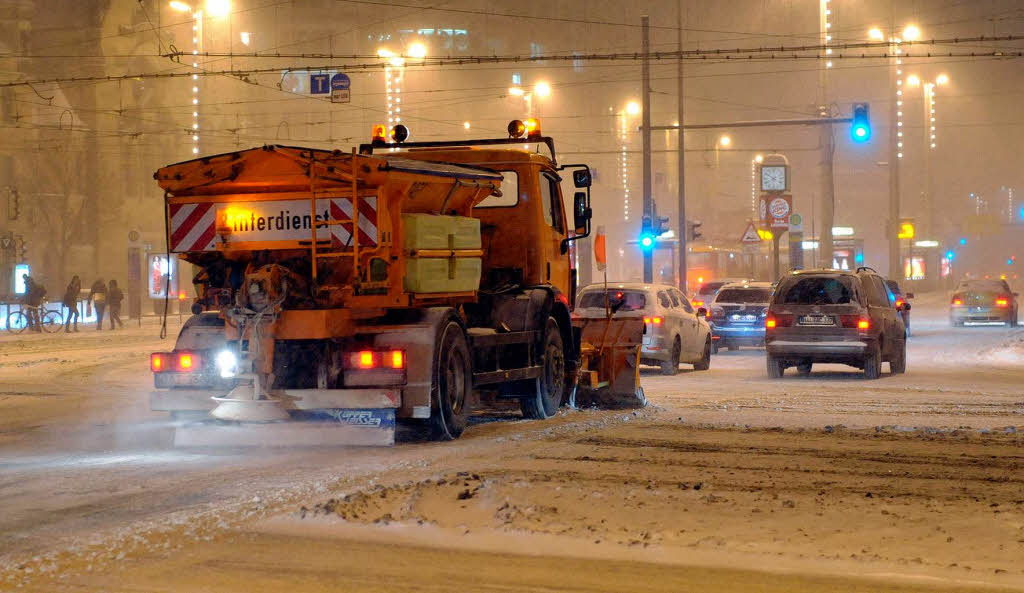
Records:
x=773, y=177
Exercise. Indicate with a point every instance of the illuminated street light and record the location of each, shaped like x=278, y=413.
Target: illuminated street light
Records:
x=913, y=80
x=246, y=38
x=911, y=33
x=417, y=50
x=180, y=6
x=724, y=141
x=942, y=79
x=465, y=125
x=542, y=89
x=759, y=158
x=633, y=108
x=516, y=91
x=876, y=34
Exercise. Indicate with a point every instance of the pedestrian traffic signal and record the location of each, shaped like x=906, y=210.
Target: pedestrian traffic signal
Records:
x=647, y=235
x=861, y=128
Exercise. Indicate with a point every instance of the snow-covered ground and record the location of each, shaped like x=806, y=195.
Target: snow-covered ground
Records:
x=95, y=498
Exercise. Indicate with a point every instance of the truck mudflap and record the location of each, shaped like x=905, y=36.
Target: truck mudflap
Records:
x=609, y=371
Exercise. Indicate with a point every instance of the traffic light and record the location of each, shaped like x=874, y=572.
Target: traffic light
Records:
x=692, y=234
x=963, y=240
x=860, y=131
x=1010, y=260
x=647, y=235
x=950, y=255
x=13, y=204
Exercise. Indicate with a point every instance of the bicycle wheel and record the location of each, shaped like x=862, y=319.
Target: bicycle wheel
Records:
x=52, y=321
x=17, y=322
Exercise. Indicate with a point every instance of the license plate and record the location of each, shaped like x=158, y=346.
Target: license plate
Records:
x=816, y=320
x=744, y=318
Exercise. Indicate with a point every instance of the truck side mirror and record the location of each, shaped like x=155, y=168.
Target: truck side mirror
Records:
x=581, y=178
x=581, y=211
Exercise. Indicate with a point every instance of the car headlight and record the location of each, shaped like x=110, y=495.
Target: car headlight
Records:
x=227, y=363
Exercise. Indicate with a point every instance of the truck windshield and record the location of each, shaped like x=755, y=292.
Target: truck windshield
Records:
x=509, y=192
x=632, y=300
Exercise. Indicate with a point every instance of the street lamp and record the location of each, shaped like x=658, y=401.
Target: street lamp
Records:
x=942, y=79
x=417, y=50
x=911, y=33
x=633, y=108
x=724, y=141
x=180, y=6
x=876, y=34
x=542, y=89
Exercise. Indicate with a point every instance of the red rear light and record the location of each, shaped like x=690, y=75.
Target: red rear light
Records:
x=698, y=303
x=157, y=362
x=187, y=362
x=657, y=320
x=778, y=320
x=1002, y=302
x=899, y=302
x=647, y=320
x=365, y=359
x=863, y=324
x=397, y=358
x=957, y=299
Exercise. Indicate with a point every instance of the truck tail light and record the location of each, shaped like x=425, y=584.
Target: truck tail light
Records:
x=187, y=362
x=397, y=359
x=158, y=362
x=365, y=360
x=653, y=320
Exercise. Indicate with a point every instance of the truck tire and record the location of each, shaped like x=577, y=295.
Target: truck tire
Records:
x=551, y=384
x=452, y=385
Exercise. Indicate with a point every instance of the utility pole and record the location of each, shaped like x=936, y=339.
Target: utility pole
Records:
x=828, y=203
x=646, y=93
x=681, y=183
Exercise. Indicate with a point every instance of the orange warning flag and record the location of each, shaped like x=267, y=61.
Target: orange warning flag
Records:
x=600, y=254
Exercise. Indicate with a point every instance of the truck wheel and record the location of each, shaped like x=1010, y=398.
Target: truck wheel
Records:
x=671, y=366
x=551, y=384
x=453, y=383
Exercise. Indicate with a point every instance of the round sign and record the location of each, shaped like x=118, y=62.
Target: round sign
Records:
x=795, y=219
x=133, y=236
x=779, y=208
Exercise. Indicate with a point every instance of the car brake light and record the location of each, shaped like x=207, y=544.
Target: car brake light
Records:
x=652, y=320
x=657, y=320
x=899, y=302
x=778, y=320
x=770, y=323
x=187, y=362
x=957, y=302
x=397, y=359
x=698, y=303
x=863, y=324
x=1002, y=302
x=157, y=362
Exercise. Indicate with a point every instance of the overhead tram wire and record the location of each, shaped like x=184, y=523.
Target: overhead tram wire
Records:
x=749, y=55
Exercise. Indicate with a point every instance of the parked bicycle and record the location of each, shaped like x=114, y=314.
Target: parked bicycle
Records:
x=49, y=320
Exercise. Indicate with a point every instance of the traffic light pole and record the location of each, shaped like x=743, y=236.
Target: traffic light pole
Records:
x=681, y=281
x=646, y=133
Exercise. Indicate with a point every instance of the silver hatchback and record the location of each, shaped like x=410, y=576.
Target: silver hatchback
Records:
x=674, y=331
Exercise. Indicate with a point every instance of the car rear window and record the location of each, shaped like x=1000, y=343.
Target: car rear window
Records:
x=632, y=300
x=743, y=295
x=710, y=287
x=816, y=290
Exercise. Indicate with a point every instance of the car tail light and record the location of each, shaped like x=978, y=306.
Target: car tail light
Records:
x=698, y=303
x=957, y=299
x=158, y=362
x=187, y=362
x=653, y=320
x=778, y=320
x=899, y=303
x=863, y=324
x=1002, y=302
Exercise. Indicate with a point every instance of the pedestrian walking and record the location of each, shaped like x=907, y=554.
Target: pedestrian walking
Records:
x=34, y=294
x=114, y=298
x=98, y=298
x=71, y=302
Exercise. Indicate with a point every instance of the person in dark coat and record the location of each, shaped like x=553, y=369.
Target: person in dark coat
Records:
x=98, y=298
x=71, y=302
x=114, y=298
x=34, y=294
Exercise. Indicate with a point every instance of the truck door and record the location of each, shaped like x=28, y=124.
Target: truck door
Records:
x=556, y=264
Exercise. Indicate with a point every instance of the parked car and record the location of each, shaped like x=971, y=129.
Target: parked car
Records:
x=834, y=316
x=706, y=292
x=737, y=315
x=983, y=301
x=674, y=331
x=901, y=298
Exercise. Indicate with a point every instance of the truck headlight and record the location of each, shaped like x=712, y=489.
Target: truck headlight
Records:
x=227, y=364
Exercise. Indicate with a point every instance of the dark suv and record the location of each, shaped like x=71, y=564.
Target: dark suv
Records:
x=835, y=316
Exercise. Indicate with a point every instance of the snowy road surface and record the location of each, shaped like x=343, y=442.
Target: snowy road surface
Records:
x=908, y=483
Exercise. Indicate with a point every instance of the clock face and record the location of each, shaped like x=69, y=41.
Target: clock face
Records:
x=773, y=178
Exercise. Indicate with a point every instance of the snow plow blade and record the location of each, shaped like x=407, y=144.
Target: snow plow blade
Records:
x=361, y=428
x=609, y=374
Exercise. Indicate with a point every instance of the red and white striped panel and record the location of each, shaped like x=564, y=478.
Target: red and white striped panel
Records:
x=341, y=209
x=193, y=227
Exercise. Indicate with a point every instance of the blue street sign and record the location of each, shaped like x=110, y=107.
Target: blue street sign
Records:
x=340, y=88
x=319, y=84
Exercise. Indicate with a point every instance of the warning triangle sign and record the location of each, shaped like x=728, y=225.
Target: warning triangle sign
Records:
x=750, y=235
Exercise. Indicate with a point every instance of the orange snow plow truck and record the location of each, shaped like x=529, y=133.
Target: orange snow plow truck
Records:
x=339, y=293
